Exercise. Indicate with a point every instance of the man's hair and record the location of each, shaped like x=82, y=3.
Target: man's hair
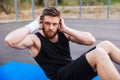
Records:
x=51, y=11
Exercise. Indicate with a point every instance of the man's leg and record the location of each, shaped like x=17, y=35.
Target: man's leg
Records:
x=112, y=50
x=100, y=60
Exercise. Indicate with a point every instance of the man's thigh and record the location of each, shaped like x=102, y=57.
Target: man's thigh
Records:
x=79, y=69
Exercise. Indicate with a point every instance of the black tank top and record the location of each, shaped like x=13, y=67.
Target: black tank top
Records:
x=53, y=56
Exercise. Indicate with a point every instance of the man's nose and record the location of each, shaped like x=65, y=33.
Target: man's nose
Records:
x=51, y=26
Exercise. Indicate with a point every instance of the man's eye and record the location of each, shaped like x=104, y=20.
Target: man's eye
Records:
x=55, y=24
x=47, y=23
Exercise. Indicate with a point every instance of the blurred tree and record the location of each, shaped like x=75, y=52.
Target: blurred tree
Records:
x=97, y=2
x=71, y=2
x=4, y=7
x=40, y=2
x=60, y=1
x=51, y=2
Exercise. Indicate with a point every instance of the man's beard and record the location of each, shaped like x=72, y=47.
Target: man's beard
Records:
x=49, y=34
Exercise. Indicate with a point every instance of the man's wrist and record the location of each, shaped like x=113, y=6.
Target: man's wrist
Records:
x=65, y=29
x=33, y=26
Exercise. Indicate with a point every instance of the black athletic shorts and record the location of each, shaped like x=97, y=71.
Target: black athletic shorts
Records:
x=79, y=69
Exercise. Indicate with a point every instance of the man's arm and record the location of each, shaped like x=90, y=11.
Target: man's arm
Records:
x=18, y=38
x=21, y=38
x=77, y=36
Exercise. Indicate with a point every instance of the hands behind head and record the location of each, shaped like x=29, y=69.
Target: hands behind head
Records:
x=39, y=20
x=62, y=25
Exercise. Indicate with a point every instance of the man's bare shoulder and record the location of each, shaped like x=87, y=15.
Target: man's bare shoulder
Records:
x=67, y=35
x=33, y=37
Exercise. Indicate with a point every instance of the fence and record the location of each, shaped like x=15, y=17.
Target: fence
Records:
x=56, y=4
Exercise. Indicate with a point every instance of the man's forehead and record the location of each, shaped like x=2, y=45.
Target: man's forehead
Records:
x=51, y=18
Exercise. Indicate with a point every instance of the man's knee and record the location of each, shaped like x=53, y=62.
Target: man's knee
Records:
x=104, y=43
x=96, y=56
x=100, y=53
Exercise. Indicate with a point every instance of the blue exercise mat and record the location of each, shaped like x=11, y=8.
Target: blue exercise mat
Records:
x=96, y=78
x=21, y=71
x=21, y=66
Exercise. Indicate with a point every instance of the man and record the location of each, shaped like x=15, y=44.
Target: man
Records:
x=50, y=47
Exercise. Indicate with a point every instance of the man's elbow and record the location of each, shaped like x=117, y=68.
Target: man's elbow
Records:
x=91, y=39
x=91, y=42
x=9, y=42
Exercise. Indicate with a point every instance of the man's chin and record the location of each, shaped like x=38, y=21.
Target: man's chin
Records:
x=50, y=37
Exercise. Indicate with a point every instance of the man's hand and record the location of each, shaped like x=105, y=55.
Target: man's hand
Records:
x=40, y=20
x=35, y=25
x=62, y=25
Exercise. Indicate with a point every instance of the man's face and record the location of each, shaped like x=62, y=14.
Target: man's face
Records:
x=50, y=26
